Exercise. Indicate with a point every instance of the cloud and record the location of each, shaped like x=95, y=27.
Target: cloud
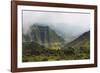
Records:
x=70, y=25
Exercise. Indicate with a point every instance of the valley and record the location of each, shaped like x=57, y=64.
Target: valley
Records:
x=44, y=44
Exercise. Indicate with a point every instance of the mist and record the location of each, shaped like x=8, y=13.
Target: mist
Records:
x=68, y=25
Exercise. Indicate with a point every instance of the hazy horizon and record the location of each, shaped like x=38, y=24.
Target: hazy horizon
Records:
x=68, y=25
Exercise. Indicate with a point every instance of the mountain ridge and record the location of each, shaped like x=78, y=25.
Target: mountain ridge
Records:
x=45, y=36
x=82, y=41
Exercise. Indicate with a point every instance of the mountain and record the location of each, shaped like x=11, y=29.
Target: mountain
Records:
x=82, y=41
x=44, y=36
x=42, y=43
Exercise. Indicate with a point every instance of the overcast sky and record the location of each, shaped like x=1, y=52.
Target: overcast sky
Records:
x=69, y=25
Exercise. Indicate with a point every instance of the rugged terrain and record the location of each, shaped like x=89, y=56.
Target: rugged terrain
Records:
x=43, y=44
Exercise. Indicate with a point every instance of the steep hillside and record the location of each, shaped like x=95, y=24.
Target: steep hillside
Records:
x=82, y=41
x=80, y=47
x=44, y=36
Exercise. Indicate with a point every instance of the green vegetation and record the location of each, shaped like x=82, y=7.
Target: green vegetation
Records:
x=52, y=47
x=35, y=52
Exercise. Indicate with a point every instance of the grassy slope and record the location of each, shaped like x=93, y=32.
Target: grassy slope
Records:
x=81, y=41
x=80, y=46
x=77, y=49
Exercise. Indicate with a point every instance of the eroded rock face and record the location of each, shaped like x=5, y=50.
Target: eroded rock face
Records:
x=45, y=36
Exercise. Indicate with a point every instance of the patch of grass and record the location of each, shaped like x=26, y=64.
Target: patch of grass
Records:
x=35, y=53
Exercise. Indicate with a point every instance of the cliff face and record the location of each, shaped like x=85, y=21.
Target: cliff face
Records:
x=44, y=36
